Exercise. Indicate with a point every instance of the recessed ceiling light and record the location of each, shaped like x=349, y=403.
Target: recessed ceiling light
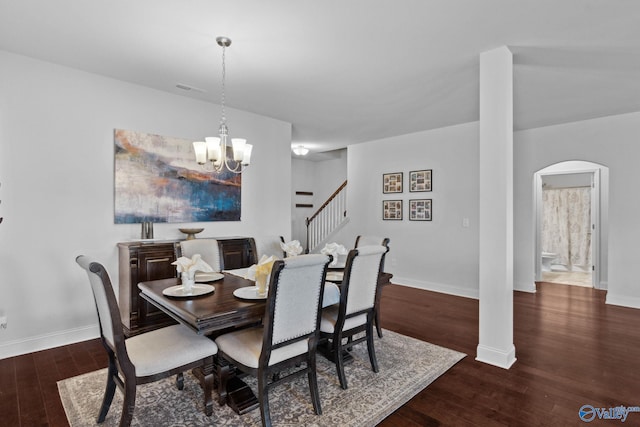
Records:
x=300, y=150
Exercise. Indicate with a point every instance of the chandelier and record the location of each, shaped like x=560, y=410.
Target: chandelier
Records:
x=212, y=152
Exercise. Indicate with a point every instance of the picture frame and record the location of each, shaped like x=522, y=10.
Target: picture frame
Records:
x=392, y=210
x=392, y=182
x=420, y=180
x=420, y=210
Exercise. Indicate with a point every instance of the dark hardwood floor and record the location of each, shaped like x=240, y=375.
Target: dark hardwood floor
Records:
x=572, y=350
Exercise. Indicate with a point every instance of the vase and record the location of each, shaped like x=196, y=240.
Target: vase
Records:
x=261, y=283
x=188, y=280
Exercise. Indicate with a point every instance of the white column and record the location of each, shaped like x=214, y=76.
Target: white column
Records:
x=496, y=209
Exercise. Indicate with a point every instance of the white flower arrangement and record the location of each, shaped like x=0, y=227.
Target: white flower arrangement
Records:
x=292, y=248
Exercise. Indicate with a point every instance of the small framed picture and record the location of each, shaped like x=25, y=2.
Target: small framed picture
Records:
x=392, y=209
x=420, y=210
x=420, y=180
x=392, y=182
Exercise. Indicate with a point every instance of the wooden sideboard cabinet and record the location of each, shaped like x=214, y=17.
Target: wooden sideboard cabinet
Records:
x=144, y=261
x=141, y=262
x=237, y=252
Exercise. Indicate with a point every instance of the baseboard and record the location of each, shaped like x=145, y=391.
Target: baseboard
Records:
x=622, y=300
x=525, y=287
x=496, y=357
x=454, y=290
x=46, y=341
x=436, y=287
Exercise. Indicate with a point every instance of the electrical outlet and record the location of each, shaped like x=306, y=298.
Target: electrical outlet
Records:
x=3, y=322
x=394, y=262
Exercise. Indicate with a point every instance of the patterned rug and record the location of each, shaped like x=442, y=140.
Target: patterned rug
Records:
x=406, y=366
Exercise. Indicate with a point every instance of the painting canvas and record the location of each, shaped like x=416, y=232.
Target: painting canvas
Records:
x=157, y=179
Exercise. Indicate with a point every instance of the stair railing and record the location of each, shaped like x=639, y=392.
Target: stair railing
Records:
x=327, y=218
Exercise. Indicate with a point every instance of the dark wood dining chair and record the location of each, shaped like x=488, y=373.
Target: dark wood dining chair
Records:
x=146, y=357
x=368, y=241
x=288, y=335
x=356, y=311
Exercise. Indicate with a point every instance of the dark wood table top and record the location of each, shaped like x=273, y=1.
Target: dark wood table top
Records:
x=213, y=312
x=207, y=313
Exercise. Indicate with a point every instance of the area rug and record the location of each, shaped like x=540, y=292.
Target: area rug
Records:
x=406, y=366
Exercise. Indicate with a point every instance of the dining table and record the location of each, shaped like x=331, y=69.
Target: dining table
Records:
x=213, y=312
x=217, y=306
x=228, y=301
x=209, y=312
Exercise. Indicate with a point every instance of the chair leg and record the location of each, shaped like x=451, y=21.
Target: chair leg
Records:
x=313, y=383
x=109, y=391
x=370, y=348
x=377, y=320
x=207, y=371
x=337, y=354
x=128, y=403
x=263, y=398
x=180, y=381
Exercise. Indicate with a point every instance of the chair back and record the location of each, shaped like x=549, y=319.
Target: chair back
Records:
x=269, y=246
x=294, y=300
x=358, y=290
x=105, y=299
x=207, y=248
x=373, y=241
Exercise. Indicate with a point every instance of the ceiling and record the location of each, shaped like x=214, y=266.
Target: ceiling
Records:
x=349, y=71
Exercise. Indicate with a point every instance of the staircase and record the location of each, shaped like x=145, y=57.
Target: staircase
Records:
x=328, y=219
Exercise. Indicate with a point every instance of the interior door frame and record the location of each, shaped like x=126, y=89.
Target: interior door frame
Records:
x=557, y=169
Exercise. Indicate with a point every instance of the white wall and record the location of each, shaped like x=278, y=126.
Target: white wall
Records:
x=440, y=254
x=56, y=170
x=610, y=141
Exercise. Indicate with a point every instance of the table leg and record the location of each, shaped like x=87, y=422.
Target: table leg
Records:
x=232, y=390
x=326, y=350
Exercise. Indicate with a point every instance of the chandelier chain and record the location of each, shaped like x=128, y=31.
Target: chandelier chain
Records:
x=223, y=119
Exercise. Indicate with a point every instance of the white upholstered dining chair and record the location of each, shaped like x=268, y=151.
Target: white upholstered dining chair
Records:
x=146, y=357
x=208, y=249
x=288, y=335
x=356, y=310
x=369, y=241
x=269, y=246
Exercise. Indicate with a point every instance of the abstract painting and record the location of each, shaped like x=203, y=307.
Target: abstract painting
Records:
x=157, y=179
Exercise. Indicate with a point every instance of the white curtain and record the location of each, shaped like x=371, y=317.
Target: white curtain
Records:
x=566, y=225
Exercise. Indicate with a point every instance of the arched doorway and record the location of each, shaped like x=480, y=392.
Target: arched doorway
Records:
x=577, y=178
